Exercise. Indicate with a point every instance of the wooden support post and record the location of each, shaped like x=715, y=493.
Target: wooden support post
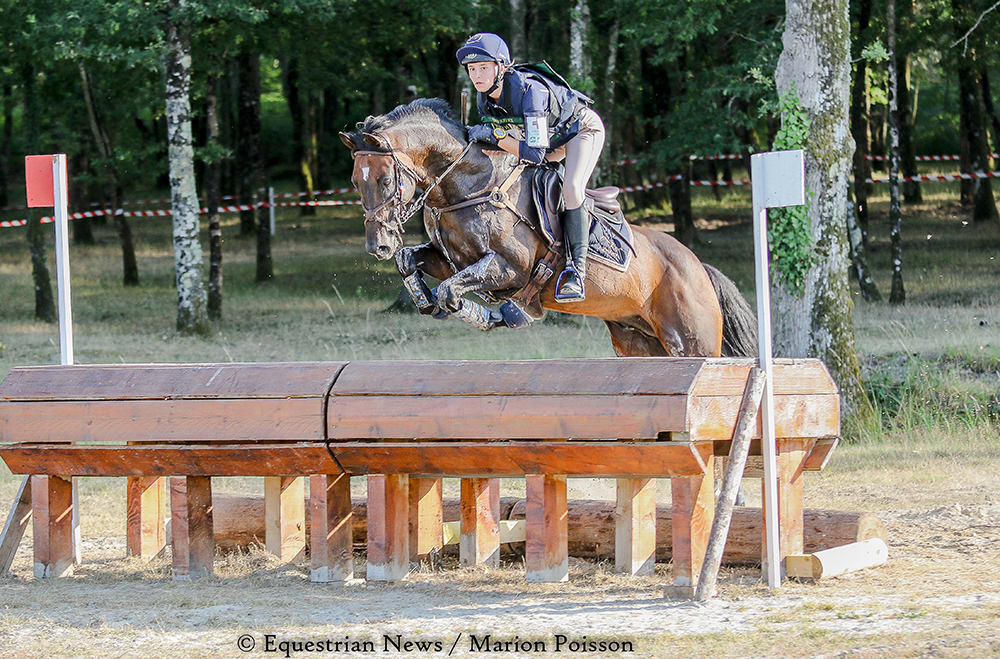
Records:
x=480, y=539
x=13, y=528
x=426, y=518
x=693, y=509
x=191, y=527
x=52, y=525
x=145, y=528
x=791, y=458
x=285, y=516
x=635, y=526
x=330, y=530
x=388, y=527
x=546, y=517
x=746, y=422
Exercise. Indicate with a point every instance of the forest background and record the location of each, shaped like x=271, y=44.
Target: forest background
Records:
x=267, y=86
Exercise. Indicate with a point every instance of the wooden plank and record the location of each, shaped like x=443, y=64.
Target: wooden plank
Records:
x=820, y=455
x=693, y=506
x=191, y=527
x=331, y=536
x=285, y=516
x=479, y=543
x=546, y=552
x=635, y=526
x=726, y=377
x=145, y=528
x=52, y=525
x=201, y=419
x=388, y=528
x=504, y=417
x=17, y=522
x=608, y=459
x=164, y=381
x=426, y=518
x=615, y=375
x=713, y=418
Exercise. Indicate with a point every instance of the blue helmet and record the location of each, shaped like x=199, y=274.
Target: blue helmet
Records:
x=484, y=47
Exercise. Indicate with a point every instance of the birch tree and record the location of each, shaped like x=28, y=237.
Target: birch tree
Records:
x=192, y=317
x=814, y=320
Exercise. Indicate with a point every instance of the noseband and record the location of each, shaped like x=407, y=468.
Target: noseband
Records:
x=396, y=198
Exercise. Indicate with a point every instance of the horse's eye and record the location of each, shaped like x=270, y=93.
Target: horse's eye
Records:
x=386, y=181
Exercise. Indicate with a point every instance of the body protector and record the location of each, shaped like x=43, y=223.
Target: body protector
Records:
x=540, y=101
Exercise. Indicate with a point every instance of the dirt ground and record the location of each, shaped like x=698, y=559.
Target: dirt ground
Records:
x=938, y=596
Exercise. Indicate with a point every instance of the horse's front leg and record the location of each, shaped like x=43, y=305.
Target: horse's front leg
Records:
x=490, y=273
x=412, y=262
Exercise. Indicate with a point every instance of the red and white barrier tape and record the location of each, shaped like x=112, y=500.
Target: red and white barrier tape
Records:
x=940, y=177
x=929, y=158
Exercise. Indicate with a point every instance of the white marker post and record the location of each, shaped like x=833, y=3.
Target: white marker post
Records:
x=778, y=179
x=47, y=184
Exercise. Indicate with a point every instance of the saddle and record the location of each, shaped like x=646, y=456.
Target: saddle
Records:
x=610, y=234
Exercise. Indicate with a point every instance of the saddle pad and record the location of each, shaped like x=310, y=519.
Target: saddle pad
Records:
x=610, y=235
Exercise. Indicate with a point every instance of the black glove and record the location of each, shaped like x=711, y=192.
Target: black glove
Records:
x=482, y=133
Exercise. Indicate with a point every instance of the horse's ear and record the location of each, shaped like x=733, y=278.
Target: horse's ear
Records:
x=377, y=140
x=348, y=140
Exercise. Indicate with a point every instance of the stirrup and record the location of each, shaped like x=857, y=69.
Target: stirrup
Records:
x=569, y=297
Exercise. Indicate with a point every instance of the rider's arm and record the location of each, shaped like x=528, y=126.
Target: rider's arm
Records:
x=535, y=103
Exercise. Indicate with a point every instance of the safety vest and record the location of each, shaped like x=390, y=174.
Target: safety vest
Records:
x=564, y=101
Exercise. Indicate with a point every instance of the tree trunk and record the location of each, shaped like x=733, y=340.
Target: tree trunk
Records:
x=45, y=303
x=303, y=130
x=859, y=127
x=897, y=294
x=248, y=140
x=79, y=198
x=8, y=137
x=579, y=43
x=130, y=267
x=680, y=205
x=191, y=303
x=518, y=42
x=912, y=193
x=859, y=261
x=973, y=111
x=815, y=66
x=610, y=154
x=991, y=111
x=213, y=172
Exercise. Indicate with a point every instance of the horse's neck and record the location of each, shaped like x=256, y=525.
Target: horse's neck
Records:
x=475, y=173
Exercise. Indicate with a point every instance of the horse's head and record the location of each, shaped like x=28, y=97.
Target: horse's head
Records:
x=386, y=182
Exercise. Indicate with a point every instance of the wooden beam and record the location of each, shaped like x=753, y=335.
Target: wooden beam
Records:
x=331, y=528
x=285, y=516
x=145, y=526
x=52, y=525
x=13, y=528
x=635, y=526
x=191, y=527
x=480, y=538
x=388, y=528
x=426, y=518
x=591, y=458
x=693, y=509
x=546, y=554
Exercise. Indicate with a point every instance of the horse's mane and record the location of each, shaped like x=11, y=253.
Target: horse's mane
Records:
x=421, y=111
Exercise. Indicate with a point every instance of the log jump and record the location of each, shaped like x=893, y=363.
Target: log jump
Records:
x=404, y=425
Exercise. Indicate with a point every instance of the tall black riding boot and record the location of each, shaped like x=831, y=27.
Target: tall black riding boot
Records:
x=576, y=234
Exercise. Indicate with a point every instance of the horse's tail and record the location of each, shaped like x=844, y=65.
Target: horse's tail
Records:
x=739, y=320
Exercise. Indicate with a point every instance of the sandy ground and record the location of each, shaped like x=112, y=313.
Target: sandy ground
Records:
x=938, y=596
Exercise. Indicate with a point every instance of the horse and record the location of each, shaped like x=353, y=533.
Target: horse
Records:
x=484, y=238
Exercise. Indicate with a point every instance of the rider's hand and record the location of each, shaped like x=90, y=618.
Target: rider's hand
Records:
x=482, y=133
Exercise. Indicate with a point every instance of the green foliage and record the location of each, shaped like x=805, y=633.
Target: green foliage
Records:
x=789, y=230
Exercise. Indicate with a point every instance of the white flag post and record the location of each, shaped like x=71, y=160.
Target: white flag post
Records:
x=778, y=179
x=47, y=184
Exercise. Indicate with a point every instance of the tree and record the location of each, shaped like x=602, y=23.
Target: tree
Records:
x=192, y=315
x=814, y=320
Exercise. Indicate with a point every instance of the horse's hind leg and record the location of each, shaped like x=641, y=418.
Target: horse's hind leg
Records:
x=629, y=341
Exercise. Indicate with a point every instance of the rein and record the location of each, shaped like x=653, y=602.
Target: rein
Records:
x=411, y=208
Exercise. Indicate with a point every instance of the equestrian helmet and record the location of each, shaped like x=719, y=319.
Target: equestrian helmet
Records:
x=484, y=47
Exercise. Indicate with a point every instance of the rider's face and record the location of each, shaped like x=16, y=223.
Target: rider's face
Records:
x=482, y=75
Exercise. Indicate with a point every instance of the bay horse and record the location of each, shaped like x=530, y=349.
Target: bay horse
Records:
x=484, y=237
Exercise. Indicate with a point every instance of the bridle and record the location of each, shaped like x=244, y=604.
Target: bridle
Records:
x=399, y=168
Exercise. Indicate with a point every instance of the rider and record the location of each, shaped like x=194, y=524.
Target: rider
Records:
x=557, y=122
